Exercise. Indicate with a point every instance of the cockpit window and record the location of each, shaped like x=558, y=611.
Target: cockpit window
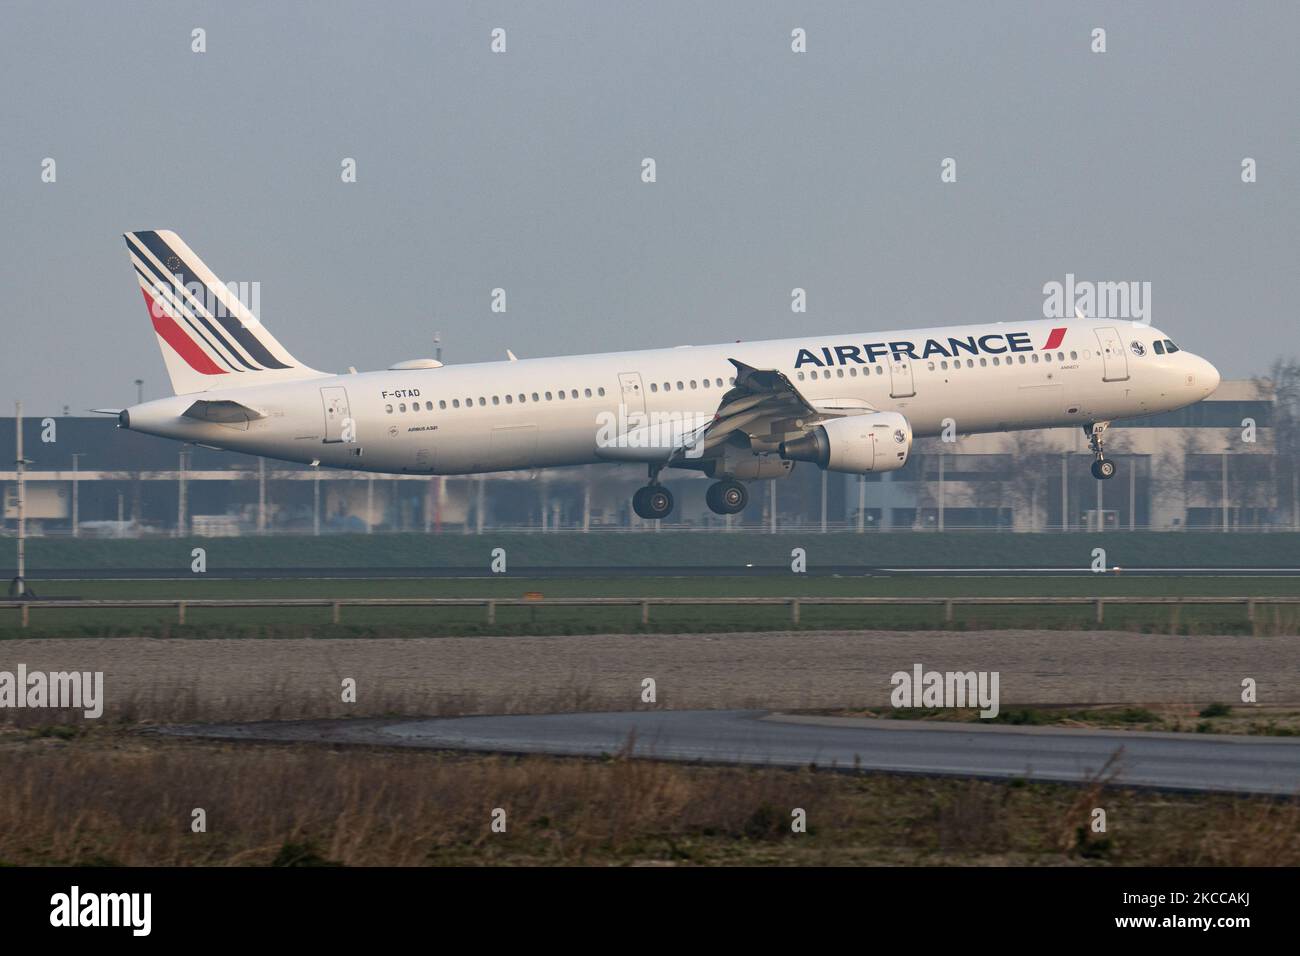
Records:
x=1170, y=346
x=1159, y=347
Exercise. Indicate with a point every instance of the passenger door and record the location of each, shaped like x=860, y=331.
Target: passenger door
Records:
x=1114, y=361
x=337, y=414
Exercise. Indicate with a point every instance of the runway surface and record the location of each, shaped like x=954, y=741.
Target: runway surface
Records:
x=1197, y=762
x=614, y=571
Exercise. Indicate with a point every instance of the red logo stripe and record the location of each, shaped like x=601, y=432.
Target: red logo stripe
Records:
x=181, y=343
x=1055, y=339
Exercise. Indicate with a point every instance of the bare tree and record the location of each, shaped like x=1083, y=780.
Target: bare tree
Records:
x=1031, y=459
x=1283, y=382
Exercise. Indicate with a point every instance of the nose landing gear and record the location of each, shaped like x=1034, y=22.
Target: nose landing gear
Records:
x=1103, y=467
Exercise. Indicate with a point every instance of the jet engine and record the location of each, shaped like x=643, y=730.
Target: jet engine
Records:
x=875, y=441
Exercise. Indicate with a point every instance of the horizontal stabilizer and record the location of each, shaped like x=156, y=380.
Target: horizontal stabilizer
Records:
x=223, y=412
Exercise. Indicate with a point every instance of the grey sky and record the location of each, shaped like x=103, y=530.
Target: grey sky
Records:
x=522, y=171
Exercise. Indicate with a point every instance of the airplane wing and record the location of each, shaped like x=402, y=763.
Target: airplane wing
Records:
x=764, y=405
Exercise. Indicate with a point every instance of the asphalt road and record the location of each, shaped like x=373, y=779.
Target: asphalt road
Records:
x=611, y=571
x=1199, y=762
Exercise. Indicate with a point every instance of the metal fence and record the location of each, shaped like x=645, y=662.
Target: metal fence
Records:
x=793, y=604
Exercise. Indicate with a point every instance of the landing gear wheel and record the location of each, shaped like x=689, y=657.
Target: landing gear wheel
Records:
x=652, y=501
x=727, y=497
x=1103, y=468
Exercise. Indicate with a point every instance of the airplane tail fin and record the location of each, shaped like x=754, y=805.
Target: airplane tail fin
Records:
x=208, y=336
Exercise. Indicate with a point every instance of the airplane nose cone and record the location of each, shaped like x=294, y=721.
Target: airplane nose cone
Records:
x=1209, y=376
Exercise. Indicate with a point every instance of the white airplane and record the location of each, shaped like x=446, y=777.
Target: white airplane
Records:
x=738, y=412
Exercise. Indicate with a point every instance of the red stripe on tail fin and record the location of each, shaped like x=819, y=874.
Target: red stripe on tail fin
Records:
x=181, y=343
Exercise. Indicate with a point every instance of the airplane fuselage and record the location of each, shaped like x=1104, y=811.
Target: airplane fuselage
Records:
x=547, y=412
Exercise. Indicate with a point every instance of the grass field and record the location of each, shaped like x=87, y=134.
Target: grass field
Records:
x=424, y=622
x=116, y=798
x=672, y=549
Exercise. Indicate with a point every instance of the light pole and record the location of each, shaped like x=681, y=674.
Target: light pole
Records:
x=76, y=510
x=139, y=391
x=181, y=503
x=20, y=585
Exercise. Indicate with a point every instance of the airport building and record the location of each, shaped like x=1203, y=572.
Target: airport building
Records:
x=1216, y=465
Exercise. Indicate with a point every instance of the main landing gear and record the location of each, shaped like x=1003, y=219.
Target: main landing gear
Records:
x=654, y=500
x=727, y=497
x=1103, y=467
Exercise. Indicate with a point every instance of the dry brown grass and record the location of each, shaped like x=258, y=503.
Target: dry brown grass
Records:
x=120, y=798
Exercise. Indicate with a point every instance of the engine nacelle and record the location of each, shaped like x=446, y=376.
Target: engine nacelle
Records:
x=876, y=441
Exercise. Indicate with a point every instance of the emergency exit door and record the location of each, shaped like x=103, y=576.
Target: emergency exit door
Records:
x=901, y=384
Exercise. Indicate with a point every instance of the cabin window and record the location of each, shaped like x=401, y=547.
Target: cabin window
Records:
x=880, y=370
x=601, y=391
x=984, y=363
x=496, y=399
x=944, y=366
x=719, y=383
x=970, y=363
x=442, y=404
x=548, y=396
x=522, y=398
x=481, y=400
x=586, y=392
x=455, y=403
x=389, y=409
x=1022, y=359
x=561, y=395
x=1060, y=356
x=680, y=386
x=536, y=399
x=402, y=407
x=801, y=376
x=573, y=393
x=510, y=399
x=654, y=387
